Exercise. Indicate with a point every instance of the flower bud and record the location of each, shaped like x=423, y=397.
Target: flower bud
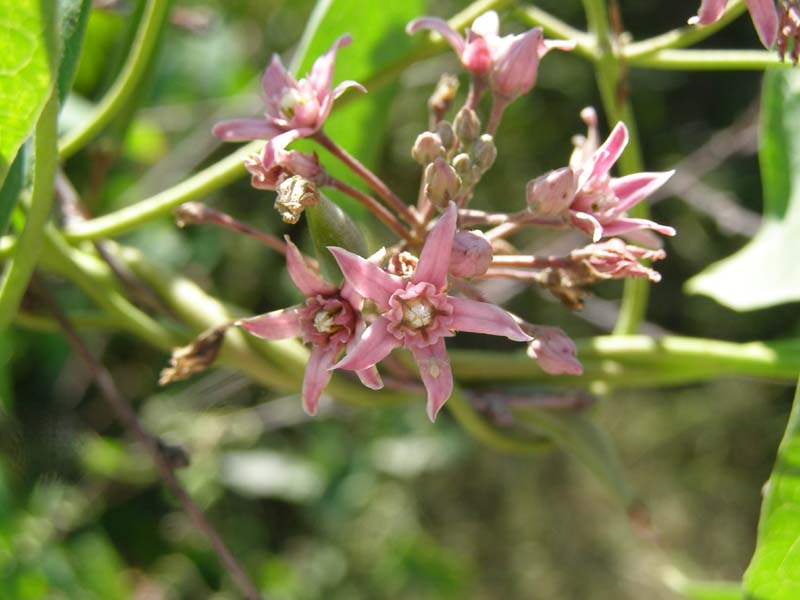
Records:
x=554, y=350
x=484, y=152
x=294, y=194
x=442, y=97
x=467, y=126
x=516, y=63
x=477, y=56
x=552, y=193
x=471, y=255
x=303, y=164
x=427, y=148
x=466, y=169
x=442, y=183
x=446, y=134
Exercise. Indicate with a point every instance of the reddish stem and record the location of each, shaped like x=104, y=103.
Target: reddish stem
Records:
x=532, y=262
x=380, y=211
x=372, y=180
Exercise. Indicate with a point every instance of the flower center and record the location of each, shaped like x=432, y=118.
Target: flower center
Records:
x=289, y=100
x=417, y=314
x=323, y=322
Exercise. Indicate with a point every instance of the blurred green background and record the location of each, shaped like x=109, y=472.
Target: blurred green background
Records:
x=377, y=502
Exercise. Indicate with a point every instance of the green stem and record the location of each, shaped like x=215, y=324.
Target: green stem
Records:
x=556, y=28
x=210, y=179
x=710, y=60
x=127, y=82
x=81, y=320
x=610, y=75
x=25, y=254
x=638, y=361
x=483, y=431
x=682, y=37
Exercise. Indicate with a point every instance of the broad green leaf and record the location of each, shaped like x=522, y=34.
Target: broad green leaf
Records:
x=28, y=55
x=774, y=572
x=379, y=41
x=578, y=436
x=74, y=15
x=769, y=262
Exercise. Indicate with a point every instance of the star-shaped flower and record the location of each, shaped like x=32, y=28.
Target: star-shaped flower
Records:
x=293, y=109
x=416, y=312
x=329, y=320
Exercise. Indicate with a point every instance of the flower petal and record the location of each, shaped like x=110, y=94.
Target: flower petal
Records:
x=306, y=280
x=317, y=376
x=340, y=89
x=632, y=189
x=370, y=378
x=275, y=325
x=588, y=224
x=434, y=368
x=275, y=83
x=606, y=155
x=368, y=279
x=765, y=19
x=627, y=224
x=435, y=256
x=710, y=12
x=321, y=76
x=242, y=130
x=440, y=26
x=487, y=25
x=373, y=347
x=482, y=317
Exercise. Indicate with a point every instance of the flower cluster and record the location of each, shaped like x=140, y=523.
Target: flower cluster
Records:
x=427, y=286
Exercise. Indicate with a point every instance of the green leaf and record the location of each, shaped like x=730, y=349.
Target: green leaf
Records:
x=379, y=42
x=578, y=436
x=768, y=263
x=330, y=226
x=774, y=572
x=28, y=56
x=74, y=15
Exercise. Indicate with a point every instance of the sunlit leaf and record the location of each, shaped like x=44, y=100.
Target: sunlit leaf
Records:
x=28, y=54
x=769, y=262
x=774, y=572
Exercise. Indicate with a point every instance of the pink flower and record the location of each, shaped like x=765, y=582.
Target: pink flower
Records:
x=282, y=164
x=293, y=109
x=329, y=320
x=601, y=202
x=510, y=61
x=614, y=259
x=417, y=313
x=763, y=13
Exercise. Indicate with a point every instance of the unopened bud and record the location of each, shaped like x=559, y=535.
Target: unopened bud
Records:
x=303, y=164
x=294, y=194
x=554, y=350
x=471, y=255
x=467, y=126
x=552, y=193
x=442, y=183
x=484, y=152
x=516, y=63
x=427, y=148
x=467, y=170
x=446, y=134
x=194, y=358
x=442, y=97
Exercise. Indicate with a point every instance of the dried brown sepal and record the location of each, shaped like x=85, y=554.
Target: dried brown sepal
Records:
x=442, y=98
x=195, y=357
